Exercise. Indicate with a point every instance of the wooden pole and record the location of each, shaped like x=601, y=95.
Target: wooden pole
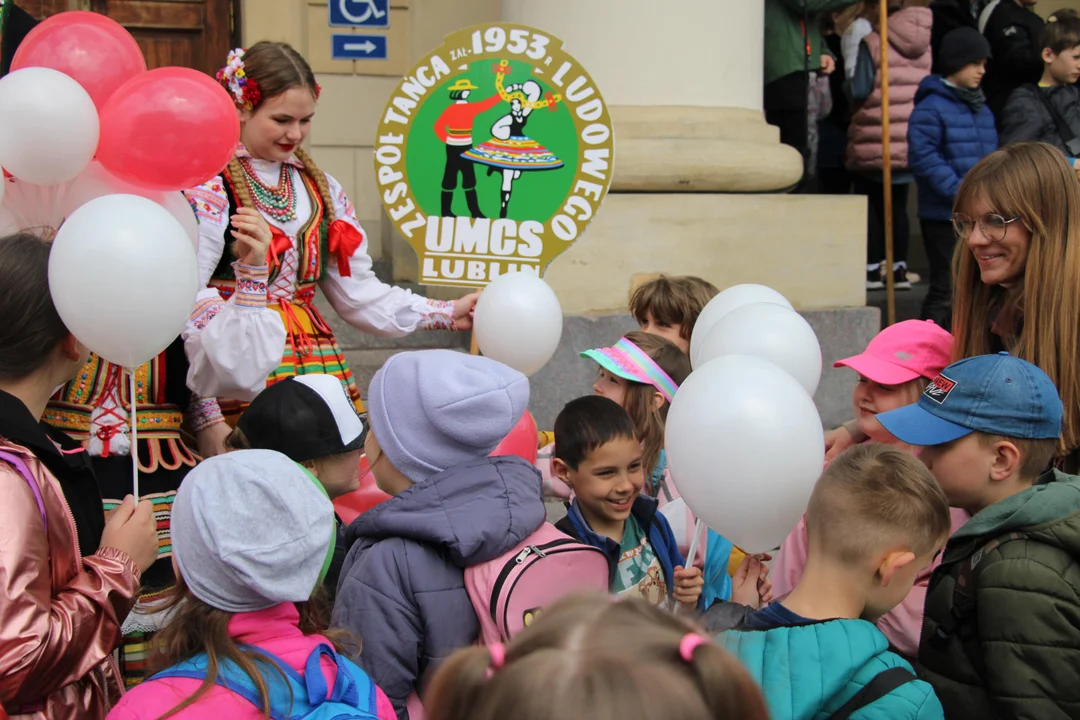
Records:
x=886, y=176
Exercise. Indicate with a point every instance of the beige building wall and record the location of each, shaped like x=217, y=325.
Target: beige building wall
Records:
x=684, y=86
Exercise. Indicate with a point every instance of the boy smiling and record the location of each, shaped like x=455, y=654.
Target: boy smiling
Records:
x=599, y=457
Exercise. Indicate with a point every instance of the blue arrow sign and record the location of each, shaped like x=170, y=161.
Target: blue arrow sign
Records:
x=360, y=13
x=359, y=47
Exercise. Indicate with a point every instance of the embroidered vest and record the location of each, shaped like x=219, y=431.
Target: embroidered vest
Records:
x=313, y=246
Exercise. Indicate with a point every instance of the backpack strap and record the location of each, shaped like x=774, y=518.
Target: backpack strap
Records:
x=1068, y=137
x=963, y=605
x=299, y=695
x=24, y=470
x=883, y=683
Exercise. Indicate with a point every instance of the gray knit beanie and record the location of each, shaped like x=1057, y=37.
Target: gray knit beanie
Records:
x=252, y=529
x=433, y=409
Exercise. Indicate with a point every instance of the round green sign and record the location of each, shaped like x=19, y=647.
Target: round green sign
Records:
x=493, y=154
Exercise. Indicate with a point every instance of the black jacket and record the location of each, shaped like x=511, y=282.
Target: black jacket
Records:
x=1013, y=33
x=16, y=27
x=71, y=469
x=1026, y=117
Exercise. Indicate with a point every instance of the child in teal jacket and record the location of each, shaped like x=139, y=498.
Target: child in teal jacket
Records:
x=876, y=519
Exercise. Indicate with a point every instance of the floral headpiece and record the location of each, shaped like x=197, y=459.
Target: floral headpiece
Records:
x=245, y=90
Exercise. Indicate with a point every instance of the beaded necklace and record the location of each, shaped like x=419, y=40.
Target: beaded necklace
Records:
x=278, y=202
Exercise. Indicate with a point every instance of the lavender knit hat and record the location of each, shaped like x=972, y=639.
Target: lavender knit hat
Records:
x=433, y=409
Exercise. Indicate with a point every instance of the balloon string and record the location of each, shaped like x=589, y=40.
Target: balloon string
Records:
x=698, y=527
x=134, y=442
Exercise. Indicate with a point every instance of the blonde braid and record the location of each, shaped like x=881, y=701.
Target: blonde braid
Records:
x=320, y=181
x=241, y=192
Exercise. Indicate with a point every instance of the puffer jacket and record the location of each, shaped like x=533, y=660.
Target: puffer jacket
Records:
x=60, y=612
x=1027, y=119
x=909, y=62
x=808, y=672
x=1021, y=658
x=402, y=587
x=945, y=140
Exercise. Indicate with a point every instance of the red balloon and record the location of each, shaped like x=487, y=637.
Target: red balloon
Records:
x=168, y=129
x=522, y=440
x=95, y=51
x=350, y=506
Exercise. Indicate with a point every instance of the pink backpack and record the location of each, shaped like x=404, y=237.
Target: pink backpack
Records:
x=508, y=592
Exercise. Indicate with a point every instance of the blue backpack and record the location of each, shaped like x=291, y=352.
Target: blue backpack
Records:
x=353, y=697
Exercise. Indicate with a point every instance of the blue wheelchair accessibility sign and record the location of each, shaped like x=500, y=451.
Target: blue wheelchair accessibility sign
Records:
x=360, y=13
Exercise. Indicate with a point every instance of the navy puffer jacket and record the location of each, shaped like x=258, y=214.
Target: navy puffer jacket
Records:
x=945, y=140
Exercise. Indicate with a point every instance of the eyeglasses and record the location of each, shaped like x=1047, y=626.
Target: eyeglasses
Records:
x=991, y=225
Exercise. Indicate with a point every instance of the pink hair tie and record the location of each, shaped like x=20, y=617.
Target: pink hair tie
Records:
x=498, y=658
x=690, y=643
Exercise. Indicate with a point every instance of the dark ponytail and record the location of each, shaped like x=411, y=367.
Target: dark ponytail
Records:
x=30, y=327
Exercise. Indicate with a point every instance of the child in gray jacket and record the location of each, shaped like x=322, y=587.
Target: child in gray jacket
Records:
x=435, y=416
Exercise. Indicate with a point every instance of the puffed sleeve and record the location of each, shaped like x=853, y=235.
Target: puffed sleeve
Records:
x=231, y=346
x=364, y=301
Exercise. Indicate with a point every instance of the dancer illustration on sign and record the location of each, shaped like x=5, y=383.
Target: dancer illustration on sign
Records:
x=454, y=127
x=510, y=150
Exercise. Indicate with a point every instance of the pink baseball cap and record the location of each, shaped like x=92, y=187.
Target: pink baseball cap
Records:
x=903, y=352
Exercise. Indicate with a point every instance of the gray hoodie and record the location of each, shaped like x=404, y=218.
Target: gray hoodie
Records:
x=402, y=588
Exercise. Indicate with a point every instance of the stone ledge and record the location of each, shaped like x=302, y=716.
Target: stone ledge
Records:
x=842, y=332
x=706, y=165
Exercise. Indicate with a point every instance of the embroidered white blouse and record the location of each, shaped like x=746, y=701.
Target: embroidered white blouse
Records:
x=253, y=331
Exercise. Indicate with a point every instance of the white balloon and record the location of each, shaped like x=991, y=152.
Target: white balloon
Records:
x=48, y=126
x=518, y=321
x=734, y=297
x=123, y=276
x=95, y=181
x=179, y=207
x=745, y=445
x=771, y=332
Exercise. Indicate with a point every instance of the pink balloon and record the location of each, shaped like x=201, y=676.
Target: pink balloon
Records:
x=359, y=501
x=96, y=51
x=168, y=129
x=522, y=440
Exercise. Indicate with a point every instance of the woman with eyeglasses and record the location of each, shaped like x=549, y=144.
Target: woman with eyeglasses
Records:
x=1017, y=270
x=1016, y=277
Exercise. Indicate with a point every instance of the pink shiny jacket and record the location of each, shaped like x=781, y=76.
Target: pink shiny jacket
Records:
x=275, y=630
x=60, y=613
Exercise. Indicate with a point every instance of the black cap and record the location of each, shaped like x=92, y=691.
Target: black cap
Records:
x=304, y=417
x=961, y=47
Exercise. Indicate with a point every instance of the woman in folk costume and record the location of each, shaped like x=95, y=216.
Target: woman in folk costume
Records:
x=317, y=240
x=94, y=409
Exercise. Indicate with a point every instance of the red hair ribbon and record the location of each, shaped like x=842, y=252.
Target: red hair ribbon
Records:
x=279, y=243
x=345, y=239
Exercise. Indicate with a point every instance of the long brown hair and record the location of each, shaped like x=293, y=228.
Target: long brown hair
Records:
x=1032, y=181
x=640, y=403
x=589, y=656
x=196, y=627
x=277, y=67
x=32, y=327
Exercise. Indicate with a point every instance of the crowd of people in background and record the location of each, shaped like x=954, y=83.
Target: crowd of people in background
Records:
x=965, y=77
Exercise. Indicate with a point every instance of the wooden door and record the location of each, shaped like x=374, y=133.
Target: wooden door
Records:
x=189, y=33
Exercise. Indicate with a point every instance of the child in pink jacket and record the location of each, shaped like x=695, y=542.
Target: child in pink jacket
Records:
x=894, y=369
x=253, y=535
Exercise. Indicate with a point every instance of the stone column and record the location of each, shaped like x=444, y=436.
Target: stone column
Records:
x=684, y=84
x=698, y=185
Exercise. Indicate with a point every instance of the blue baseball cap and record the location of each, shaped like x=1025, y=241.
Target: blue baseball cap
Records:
x=995, y=394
